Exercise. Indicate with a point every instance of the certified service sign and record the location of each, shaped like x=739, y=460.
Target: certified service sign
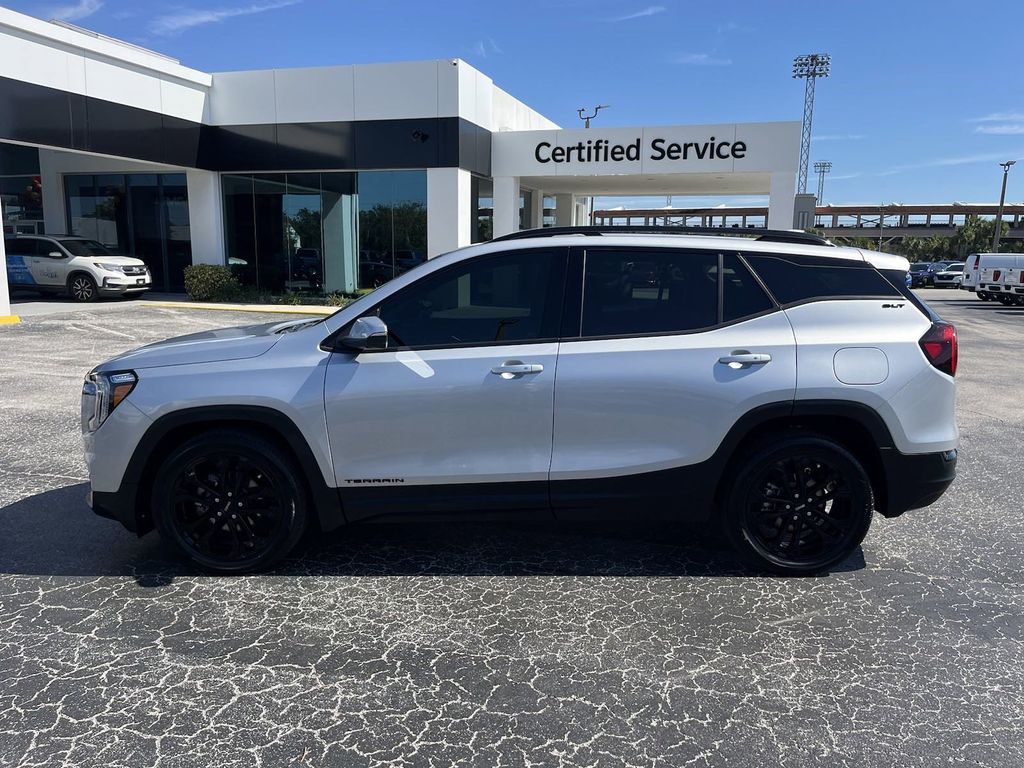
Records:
x=728, y=148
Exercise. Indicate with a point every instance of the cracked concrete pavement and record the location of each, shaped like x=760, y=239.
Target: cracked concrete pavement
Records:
x=503, y=645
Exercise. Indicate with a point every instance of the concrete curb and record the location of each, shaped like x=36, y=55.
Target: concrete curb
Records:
x=304, y=309
x=9, y=319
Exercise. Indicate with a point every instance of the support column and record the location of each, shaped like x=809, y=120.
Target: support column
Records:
x=537, y=212
x=54, y=213
x=506, y=205
x=449, y=210
x=564, y=210
x=205, y=217
x=5, y=293
x=781, y=190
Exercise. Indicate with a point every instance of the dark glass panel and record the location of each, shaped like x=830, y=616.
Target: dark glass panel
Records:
x=269, y=191
x=804, y=278
x=144, y=199
x=742, y=296
x=240, y=227
x=178, y=230
x=303, y=237
x=511, y=297
x=635, y=292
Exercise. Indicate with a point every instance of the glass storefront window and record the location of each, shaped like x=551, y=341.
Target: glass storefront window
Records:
x=324, y=232
x=22, y=198
x=21, y=189
x=139, y=214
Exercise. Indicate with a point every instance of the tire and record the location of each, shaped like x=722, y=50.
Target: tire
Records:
x=983, y=296
x=223, y=476
x=82, y=287
x=1003, y=299
x=767, y=498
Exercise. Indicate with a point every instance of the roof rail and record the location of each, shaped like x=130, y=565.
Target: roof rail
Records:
x=755, y=233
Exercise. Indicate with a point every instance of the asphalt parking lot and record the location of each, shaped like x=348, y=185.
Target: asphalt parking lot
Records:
x=504, y=645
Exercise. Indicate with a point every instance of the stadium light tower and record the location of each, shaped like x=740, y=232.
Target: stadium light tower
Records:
x=1002, y=200
x=821, y=168
x=809, y=68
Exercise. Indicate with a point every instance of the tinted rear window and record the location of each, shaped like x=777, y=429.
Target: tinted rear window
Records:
x=805, y=278
x=742, y=295
x=629, y=291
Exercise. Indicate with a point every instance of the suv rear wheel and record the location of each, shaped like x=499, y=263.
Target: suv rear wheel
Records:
x=230, y=501
x=800, y=505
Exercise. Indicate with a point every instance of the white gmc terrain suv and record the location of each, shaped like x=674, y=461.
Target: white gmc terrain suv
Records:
x=772, y=383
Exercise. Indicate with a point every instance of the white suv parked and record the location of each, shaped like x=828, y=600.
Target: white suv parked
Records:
x=81, y=267
x=777, y=385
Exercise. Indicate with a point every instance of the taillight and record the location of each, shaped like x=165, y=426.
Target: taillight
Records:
x=940, y=347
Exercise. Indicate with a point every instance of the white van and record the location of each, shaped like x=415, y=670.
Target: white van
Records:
x=1013, y=282
x=984, y=272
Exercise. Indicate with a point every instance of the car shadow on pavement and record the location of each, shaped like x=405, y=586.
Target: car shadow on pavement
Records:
x=55, y=534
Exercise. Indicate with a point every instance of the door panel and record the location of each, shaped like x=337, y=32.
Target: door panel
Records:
x=463, y=397
x=45, y=270
x=626, y=406
x=436, y=417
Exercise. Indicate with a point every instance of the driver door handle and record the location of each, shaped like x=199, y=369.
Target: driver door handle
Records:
x=511, y=368
x=743, y=358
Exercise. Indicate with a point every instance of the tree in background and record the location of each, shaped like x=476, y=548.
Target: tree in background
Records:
x=974, y=236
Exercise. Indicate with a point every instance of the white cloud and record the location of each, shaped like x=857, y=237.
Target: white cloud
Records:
x=1001, y=129
x=999, y=117
x=838, y=137
x=701, y=60
x=186, y=18
x=938, y=162
x=650, y=10
x=483, y=48
x=77, y=11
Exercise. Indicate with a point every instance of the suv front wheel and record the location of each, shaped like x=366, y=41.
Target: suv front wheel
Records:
x=799, y=505
x=82, y=287
x=230, y=501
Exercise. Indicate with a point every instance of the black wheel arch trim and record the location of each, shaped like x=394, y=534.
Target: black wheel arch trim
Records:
x=129, y=505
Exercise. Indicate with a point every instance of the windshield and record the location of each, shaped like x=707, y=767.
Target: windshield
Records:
x=955, y=268
x=919, y=267
x=85, y=248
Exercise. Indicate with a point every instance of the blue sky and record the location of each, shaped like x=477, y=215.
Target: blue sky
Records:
x=922, y=103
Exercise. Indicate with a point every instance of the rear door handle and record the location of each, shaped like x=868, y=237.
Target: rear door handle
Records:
x=740, y=358
x=512, y=368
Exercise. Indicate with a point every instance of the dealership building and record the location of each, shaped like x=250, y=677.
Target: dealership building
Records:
x=322, y=179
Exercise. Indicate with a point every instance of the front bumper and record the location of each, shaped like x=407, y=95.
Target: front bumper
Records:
x=915, y=480
x=126, y=284
x=119, y=506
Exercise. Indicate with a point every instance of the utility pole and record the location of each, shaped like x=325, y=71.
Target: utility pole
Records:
x=821, y=168
x=1002, y=199
x=809, y=68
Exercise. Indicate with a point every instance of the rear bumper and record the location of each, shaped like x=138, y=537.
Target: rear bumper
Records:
x=916, y=480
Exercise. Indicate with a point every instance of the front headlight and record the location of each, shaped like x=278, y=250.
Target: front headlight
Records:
x=101, y=394
x=108, y=266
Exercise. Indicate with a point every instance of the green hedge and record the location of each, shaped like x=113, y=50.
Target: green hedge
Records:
x=211, y=282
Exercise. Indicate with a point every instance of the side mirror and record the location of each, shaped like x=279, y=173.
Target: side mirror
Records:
x=366, y=333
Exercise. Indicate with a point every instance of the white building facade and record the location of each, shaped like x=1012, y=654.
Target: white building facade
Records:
x=320, y=179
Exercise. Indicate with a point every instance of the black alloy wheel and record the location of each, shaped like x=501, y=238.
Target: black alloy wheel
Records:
x=230, y=501
x=82, y=287
x=799, y=506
